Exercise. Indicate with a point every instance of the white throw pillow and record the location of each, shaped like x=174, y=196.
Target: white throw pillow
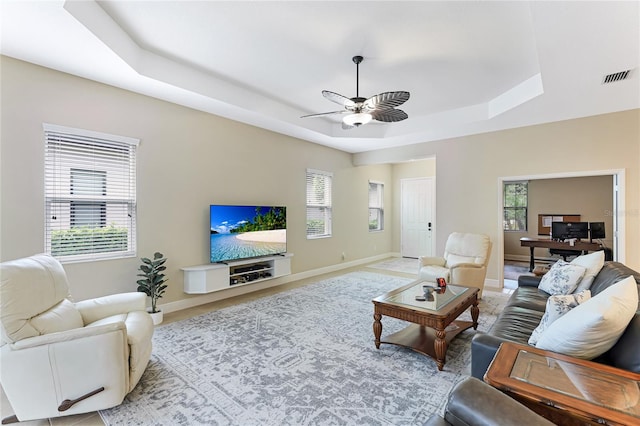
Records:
x=593, y=327
x=593, y=262
x=557, y=306
x=562, y=278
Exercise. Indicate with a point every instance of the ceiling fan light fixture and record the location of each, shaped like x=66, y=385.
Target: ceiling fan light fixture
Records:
x=357, y=119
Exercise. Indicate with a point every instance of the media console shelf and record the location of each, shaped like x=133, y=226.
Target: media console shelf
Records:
x=221, y=276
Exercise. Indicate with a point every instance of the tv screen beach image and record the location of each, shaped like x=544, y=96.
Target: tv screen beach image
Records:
x=239, y=232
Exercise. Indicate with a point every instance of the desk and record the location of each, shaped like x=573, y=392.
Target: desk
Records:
x=532, y=243
x=566, y=390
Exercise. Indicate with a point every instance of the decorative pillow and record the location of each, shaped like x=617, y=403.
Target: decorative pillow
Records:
x=593, y=327
x=562, y=278
x=557, y=306
x=593, y=262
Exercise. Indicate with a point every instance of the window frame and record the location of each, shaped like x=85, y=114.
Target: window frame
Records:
x=322, y=204
x=377, y=206
x=84, y=168
x=514, y=209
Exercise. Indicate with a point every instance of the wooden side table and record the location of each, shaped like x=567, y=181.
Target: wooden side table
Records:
x=566, y=390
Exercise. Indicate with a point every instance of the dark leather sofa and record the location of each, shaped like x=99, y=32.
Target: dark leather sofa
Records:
x=475, y=403
x=525, y=309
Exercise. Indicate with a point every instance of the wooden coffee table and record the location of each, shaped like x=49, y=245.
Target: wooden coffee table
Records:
x=434, y=322
x=566, y=390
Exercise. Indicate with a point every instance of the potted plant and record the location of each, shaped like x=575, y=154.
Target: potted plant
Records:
x=153, y=282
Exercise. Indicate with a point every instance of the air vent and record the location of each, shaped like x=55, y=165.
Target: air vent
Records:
x=617, y=76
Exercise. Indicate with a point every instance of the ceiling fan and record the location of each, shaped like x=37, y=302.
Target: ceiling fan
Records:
x=360, y=111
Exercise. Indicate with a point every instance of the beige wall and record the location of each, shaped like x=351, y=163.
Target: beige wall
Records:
x=190, y=159
x=187, y=160
x=469, y=171
x=591, y=197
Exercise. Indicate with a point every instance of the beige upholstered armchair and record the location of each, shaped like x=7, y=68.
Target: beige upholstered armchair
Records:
x=464, y=261
x=60, y=358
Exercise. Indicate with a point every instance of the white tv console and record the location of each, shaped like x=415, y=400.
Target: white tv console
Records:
x=221, y=276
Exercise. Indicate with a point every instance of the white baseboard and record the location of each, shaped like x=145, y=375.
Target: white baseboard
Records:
x=237, y=291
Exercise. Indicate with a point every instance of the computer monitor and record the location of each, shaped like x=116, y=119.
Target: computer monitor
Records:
x=568, y=230
x=597, y=230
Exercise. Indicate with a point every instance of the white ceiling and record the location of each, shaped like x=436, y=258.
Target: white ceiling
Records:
x=471, y=67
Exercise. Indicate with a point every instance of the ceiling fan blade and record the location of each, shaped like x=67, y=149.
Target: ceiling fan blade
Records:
x=339, y=99
x=389, y=115
x=324, y=113
x=386, y=100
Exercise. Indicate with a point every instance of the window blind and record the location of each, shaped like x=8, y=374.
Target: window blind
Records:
x=318, y=203
x=376, y=211
x=90, y=194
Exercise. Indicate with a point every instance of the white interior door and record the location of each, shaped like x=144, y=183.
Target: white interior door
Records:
x=417, y=205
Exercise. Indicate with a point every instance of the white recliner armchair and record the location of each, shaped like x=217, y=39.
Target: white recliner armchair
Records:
x=464, y=261
x=60, y=358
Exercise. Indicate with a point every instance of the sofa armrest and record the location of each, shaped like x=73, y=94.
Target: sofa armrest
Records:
x=528, y=281
x=473, y=402
x=431, y=260
x=102, y=307
x=483, y=349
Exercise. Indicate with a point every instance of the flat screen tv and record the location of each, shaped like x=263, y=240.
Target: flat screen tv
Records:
x=241, y=232
x=567, y=230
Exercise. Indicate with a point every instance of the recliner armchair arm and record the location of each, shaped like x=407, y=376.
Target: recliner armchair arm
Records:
x=432, y=260
x=102, y=307
x=468, y=274
x=483, y=349
x=65, y=336
x=38, y=374
x=466, y=265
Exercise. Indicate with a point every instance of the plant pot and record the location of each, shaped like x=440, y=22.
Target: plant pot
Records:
x=156, y=317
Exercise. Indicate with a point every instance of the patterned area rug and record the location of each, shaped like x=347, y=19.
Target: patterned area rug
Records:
x=301, y=357
x=400, y=264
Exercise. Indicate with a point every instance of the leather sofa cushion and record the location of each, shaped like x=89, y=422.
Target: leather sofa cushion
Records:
x=625, y=353
x=30, y=287
x=529, y=298
x=517, y=323
x=610, y=274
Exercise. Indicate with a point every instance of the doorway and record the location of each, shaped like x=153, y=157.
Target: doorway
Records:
x=417, y=220
x=617, y=202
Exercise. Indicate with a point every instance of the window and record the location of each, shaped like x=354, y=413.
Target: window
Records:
x=318, y=203
x=515, y=206
x=88, y=214
x=90, y=194
x=376, y=212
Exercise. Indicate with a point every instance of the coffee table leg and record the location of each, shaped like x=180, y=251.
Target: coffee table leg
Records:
x=440, y=346
x=475, y=312
x=377, y=329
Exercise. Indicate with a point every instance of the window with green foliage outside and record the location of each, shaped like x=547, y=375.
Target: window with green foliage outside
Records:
x=90, y=194
x=515, y=206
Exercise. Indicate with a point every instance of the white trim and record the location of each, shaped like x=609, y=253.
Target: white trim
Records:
x=89, y=134
x=320, y=172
